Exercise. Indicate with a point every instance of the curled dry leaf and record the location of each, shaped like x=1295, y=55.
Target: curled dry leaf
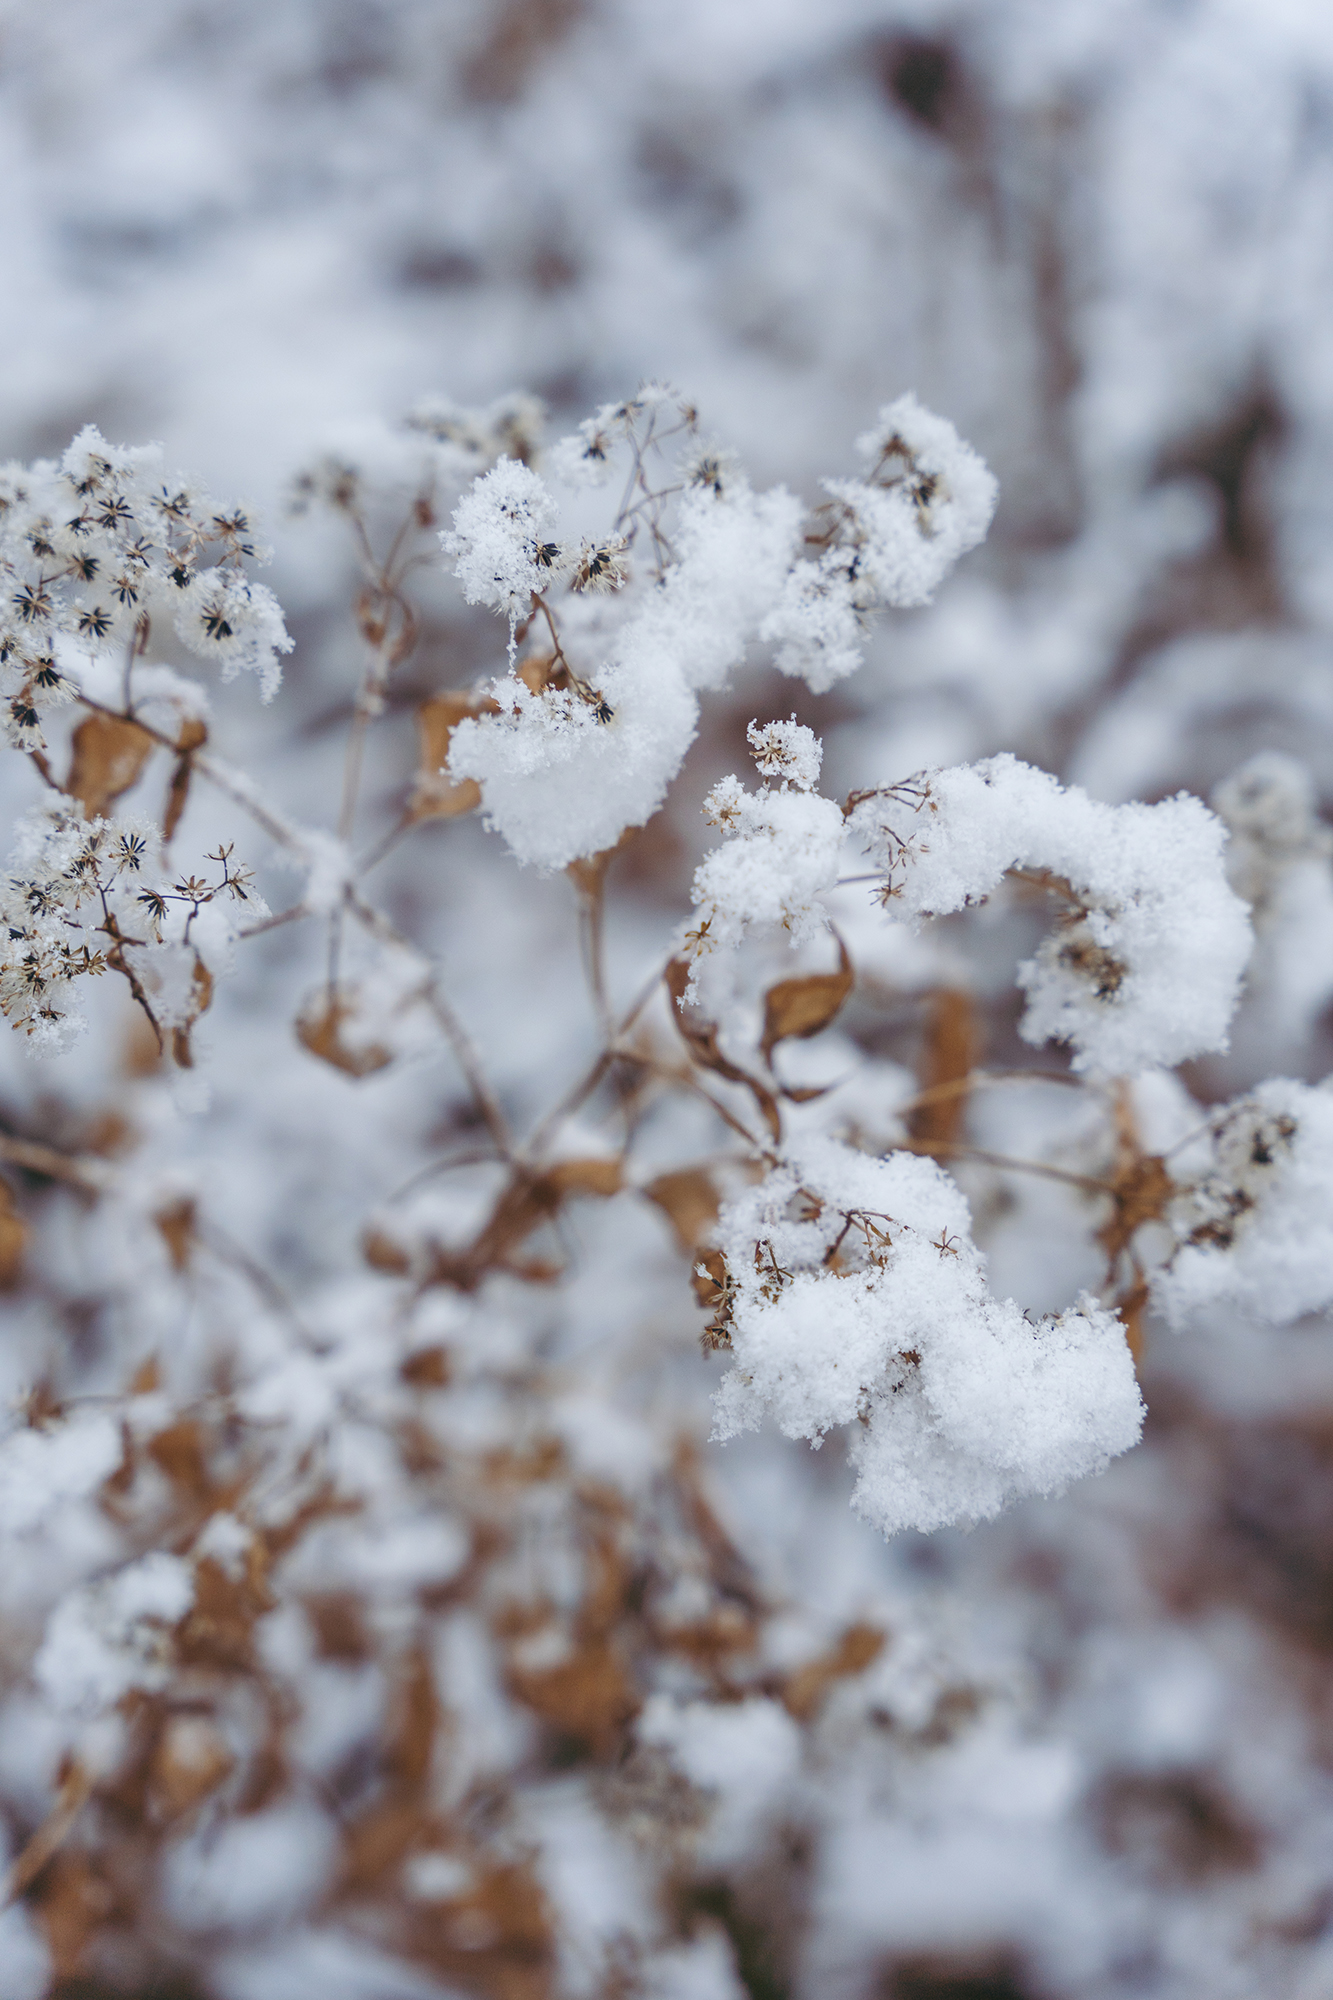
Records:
x=201, y=999
x=700, y=1036
x=319, y=1029
x=14, y=1234
x=948, y=1055
x=107, y=754
x=193, y=736
x=798, y=1008
x=858, y=1648
x=176, y=1226
x=191, y=1759
x=436, y=795
x=689, y=1200
x=528, y=1200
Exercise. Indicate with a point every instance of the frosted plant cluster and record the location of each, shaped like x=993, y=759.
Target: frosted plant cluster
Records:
x=567, y=766
x=379, y=1616
x=1256, y=1225
x=888, y=539
x=858, y=1296
x=96, y=546
x=309, y=1502
x=1144, y=966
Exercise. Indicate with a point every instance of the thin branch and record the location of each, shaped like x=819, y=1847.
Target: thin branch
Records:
x=963, y=1152
x=465, y=1054
x=34, y=1158
x=73, y=1795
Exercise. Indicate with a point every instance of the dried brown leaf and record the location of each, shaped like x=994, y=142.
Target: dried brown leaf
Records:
x=495, y=1941
x=805, y=1689
x=179, y=1452
x=201, y=999
x=689, y=1200
x=603, y=1177
x=414, y=1714
x=382, y=1253
x=193, y=736
x=319, y=1029
x=218, y=1629
x=108, y=753
x=176, y=1226
x=436, y=795
x=14, y=1235
x=339, y=1622
x=190, y=1760
x=948, y=1056
x=589, y=1696
x=73, y=1901
x=428, y=1368
x=701, y=1038
x=798, y=1008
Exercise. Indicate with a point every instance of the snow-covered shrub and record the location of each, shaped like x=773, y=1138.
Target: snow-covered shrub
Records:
x=369, y=1527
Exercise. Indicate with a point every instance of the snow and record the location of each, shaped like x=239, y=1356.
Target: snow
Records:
x=861, y=1299
x=1146, y=964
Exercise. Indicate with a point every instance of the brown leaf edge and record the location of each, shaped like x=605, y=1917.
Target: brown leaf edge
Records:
x=795, y=1009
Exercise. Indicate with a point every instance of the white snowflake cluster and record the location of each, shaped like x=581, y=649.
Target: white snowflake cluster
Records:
x=854, y=1295
x=564, y=776
x=98, y=546
x=501, y=538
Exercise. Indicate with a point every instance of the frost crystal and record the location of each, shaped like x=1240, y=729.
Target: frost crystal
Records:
x=855, y=1295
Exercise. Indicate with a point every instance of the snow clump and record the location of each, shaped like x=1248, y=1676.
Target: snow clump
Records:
x=854, y=1295
x=113, y=1634
x=1144, y=967
x=1257, y=1225
x=891, y=539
